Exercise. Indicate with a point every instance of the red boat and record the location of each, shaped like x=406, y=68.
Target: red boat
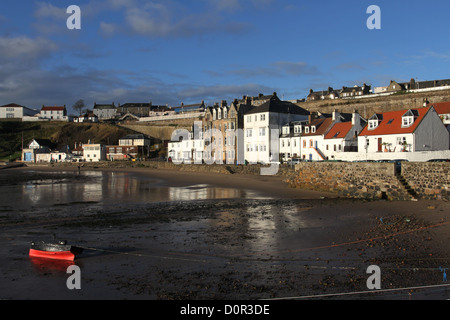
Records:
x=58, y=251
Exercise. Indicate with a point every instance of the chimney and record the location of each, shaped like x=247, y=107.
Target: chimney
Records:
x=312, y=116
x=336, y=116
x=355, y=117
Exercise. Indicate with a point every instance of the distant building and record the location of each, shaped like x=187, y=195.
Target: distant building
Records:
x=89, y=116
x=329, y=94
x=38, y=150
x=15, y=111
x=198, y=107
x=56, y=113
x=395, y=86
x=356, y=91
x=121, y=153
x=105, y=111
x=93, y=152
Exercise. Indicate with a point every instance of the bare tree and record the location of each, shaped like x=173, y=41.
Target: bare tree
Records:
x=79, y=105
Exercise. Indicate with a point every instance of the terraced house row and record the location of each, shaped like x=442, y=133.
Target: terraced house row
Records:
x=278, y=131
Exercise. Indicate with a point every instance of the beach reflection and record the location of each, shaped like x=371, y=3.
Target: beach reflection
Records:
x=112, y=188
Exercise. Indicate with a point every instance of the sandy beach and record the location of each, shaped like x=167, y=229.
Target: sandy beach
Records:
x=273, y=242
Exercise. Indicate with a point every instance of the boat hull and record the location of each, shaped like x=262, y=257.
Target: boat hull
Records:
x=57, y=251
x=57, y=255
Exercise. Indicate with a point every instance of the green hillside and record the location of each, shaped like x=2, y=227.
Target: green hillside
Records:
x=60, y=133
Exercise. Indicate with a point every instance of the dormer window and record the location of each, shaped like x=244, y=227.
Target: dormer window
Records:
x=306, y=129
x=408, y=119
x=373, y=124
x=225, y=113
x=375, y=121
x=313, y=129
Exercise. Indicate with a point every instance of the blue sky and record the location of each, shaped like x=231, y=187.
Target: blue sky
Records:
x=170, y=51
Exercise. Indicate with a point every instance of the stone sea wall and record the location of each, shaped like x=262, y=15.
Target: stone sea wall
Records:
x=370, y=180
x=430, y=180
x=364, y=180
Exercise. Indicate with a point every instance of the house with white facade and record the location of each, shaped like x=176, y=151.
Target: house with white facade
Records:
x=54, y=113
x=290, y=140
x=105, y=111
x=15, y=111
x=263, y=126
x=410, y=130
x=89, y=116
x=188, y=146
x=37, y=150
x=343, y=136
x=313, y=137
x=93, y=152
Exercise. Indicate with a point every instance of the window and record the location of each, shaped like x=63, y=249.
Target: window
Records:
x=249, y=133
x=249, y=118
x=407, y=121
x=401, y=140
x=373, y=124
x=262, y=132
x=263, y=117
x=313, y=129
x=304, y=143
x=311, y=143
x=306, y=129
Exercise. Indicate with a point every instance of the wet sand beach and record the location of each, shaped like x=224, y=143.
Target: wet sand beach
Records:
x=170, y=235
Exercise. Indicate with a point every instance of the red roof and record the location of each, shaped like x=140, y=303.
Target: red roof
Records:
x=391, y=123
x=321, y=124
x=442, y=108
x=339, y=130
x=53, y=108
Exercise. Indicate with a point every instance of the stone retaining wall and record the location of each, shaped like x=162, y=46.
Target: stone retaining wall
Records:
x=364, y=180
x=429, y=180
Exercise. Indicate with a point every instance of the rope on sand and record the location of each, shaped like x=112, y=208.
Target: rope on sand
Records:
x=362, y=292
x=140, y=254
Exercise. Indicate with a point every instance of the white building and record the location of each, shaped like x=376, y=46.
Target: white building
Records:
x=15, y=111
x=290, y=140
x=93, y=152
x=410, y=130
x=187, y=147
x=263, y=126
x=54, y=113
x=313, y=137
x=343, y=137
